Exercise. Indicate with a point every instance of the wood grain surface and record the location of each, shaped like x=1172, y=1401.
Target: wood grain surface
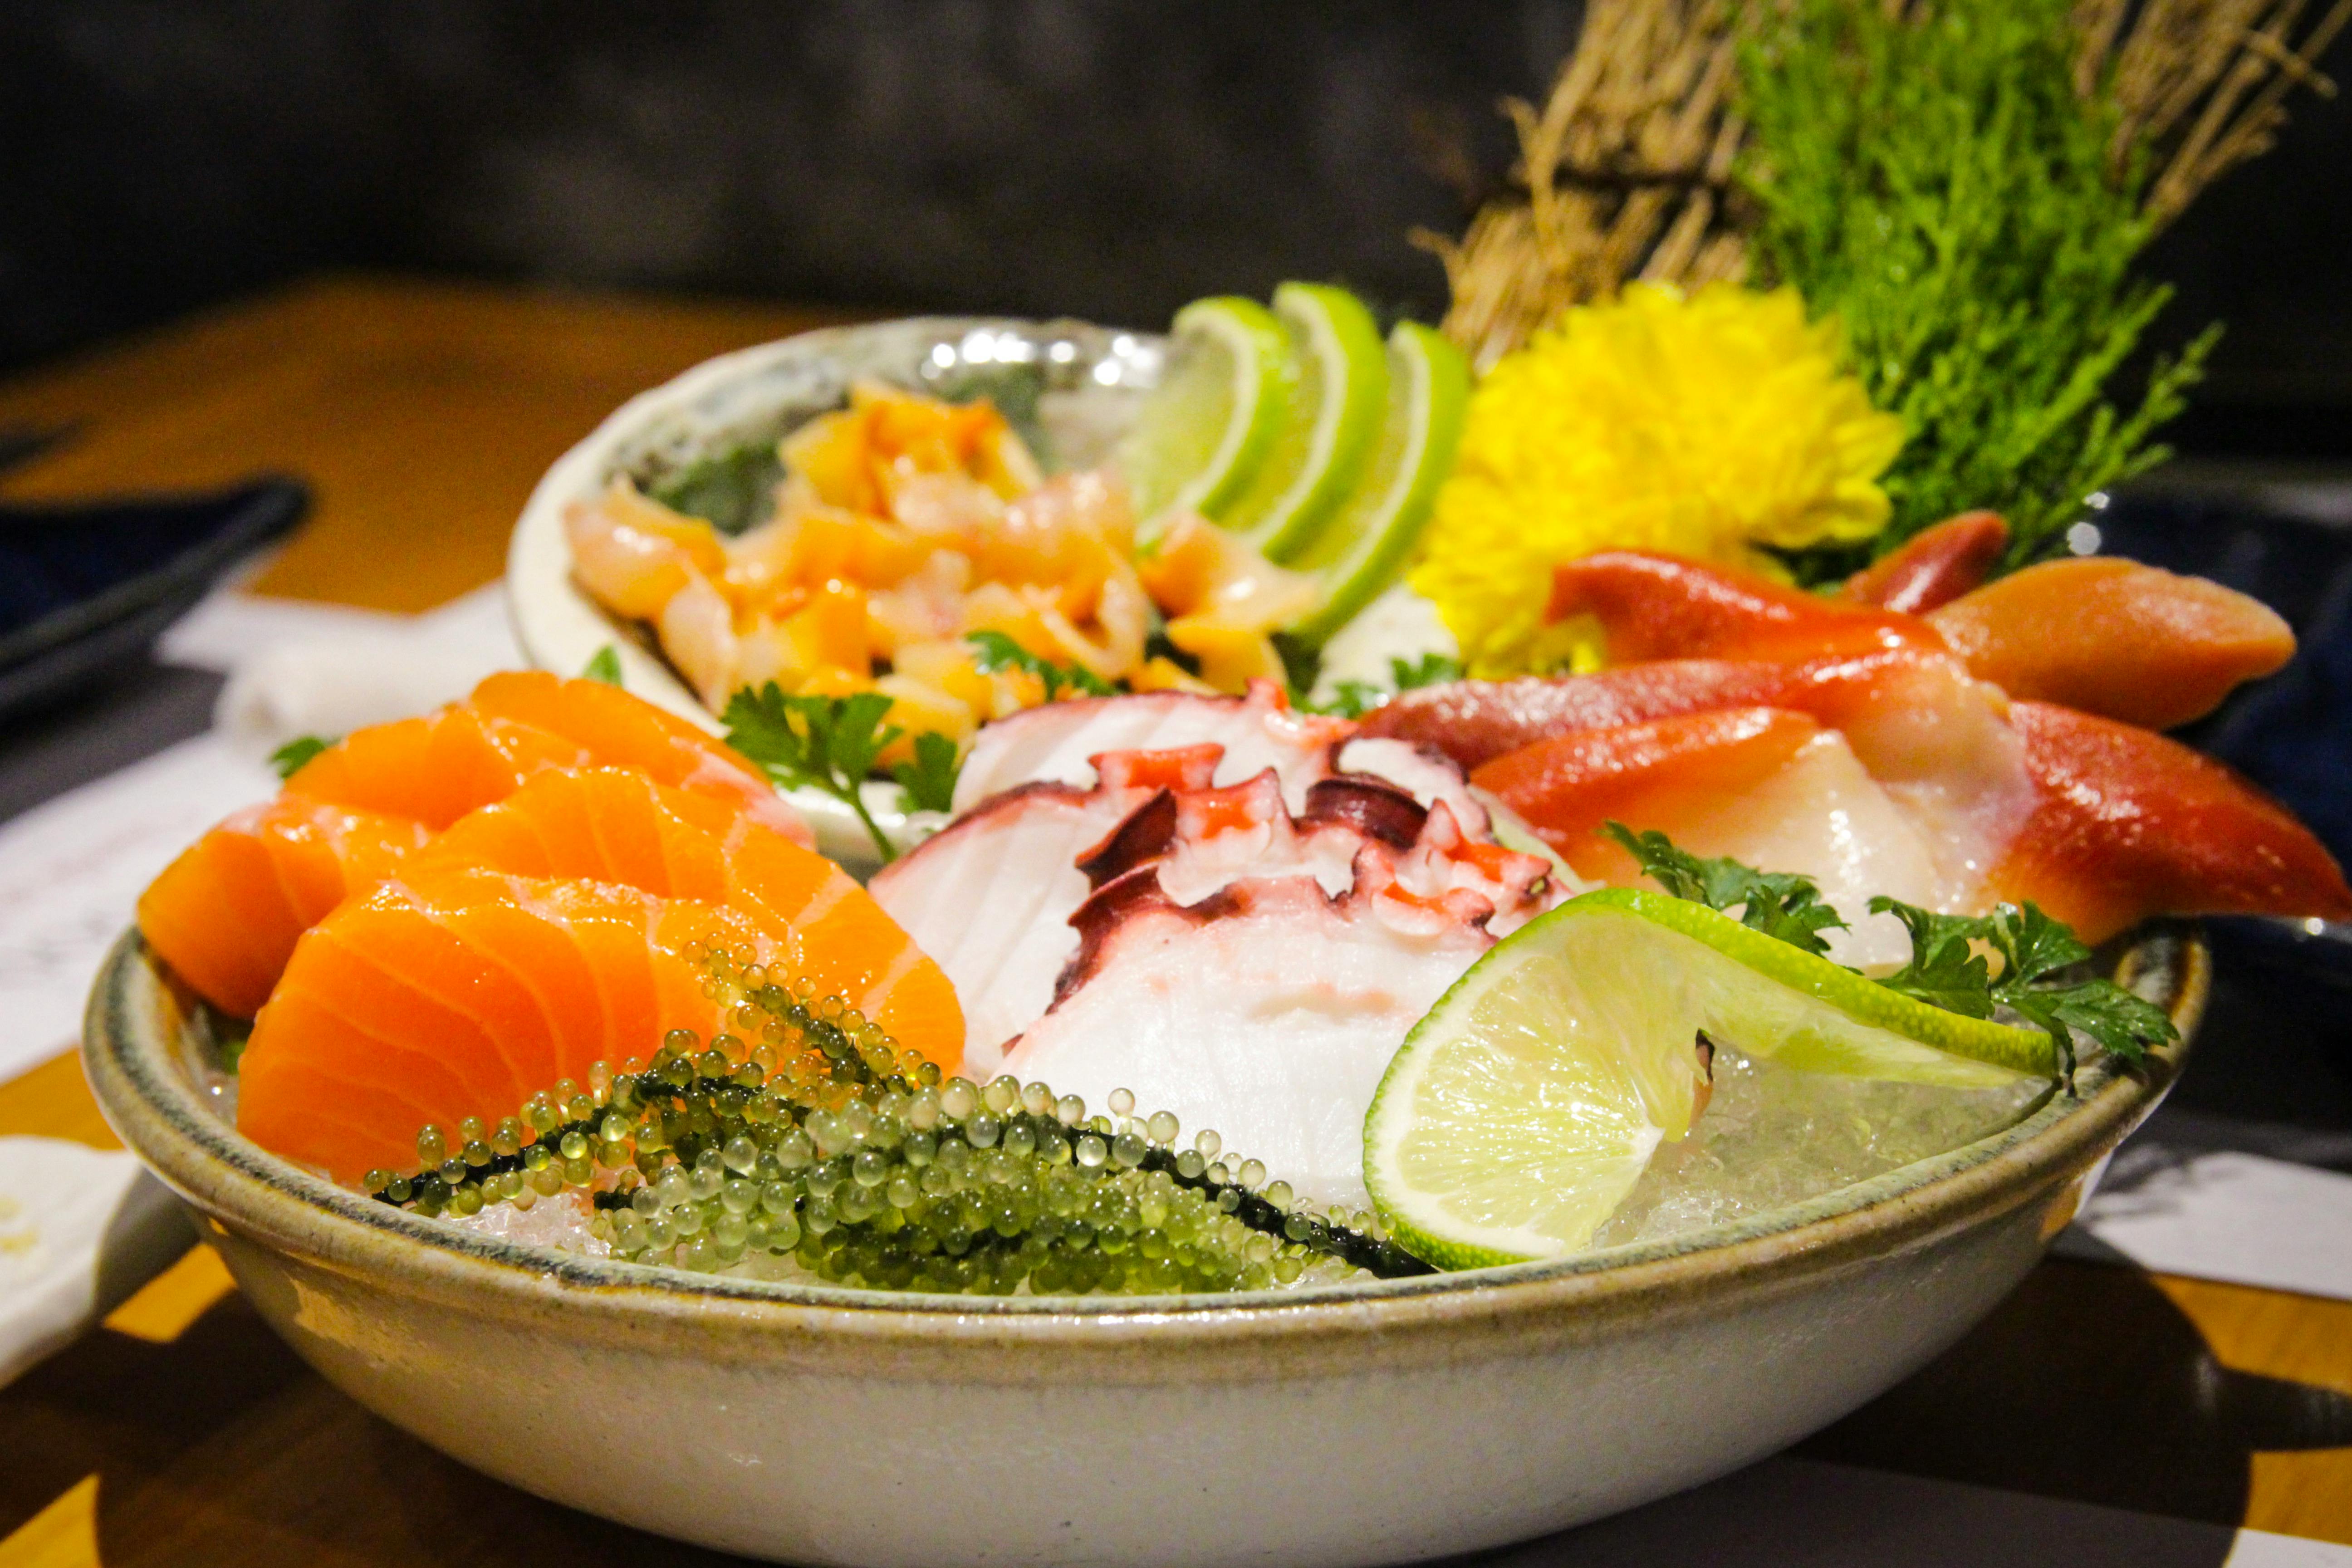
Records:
x=182, y=1431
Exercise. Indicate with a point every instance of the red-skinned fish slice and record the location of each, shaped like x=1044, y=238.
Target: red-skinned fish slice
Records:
x=1933, y=566
x=1664, y=606
x=2115, y=638
x=226, y=913
x=456, y=994
x=1646, y=776
x=2126, y=824
x=1903, y=708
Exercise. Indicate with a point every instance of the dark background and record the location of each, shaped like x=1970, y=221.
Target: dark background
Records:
x=1042, y=156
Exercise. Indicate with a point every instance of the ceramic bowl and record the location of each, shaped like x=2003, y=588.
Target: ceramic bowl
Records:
x=1349, y=1424
x=1070, y=388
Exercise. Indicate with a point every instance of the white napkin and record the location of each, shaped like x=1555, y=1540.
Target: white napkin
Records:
x=80, y=1230
x=321, y=670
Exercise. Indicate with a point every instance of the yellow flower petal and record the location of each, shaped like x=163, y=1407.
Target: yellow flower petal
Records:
x=1706, y=425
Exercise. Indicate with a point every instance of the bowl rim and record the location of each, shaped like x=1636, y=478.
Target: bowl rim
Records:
x=136, y=1041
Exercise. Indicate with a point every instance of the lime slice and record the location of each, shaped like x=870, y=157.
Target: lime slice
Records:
x=1361, y=550
x=1207, y=426
x=1334, y=416
x=1519, y=1114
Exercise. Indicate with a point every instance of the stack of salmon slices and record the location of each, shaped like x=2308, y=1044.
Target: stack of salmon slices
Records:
x=440, y=917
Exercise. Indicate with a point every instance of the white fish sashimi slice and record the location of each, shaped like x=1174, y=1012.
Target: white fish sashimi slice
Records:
x=1271, y=1023
x=1823, y=816
x=1052, y=744
x=990, y=900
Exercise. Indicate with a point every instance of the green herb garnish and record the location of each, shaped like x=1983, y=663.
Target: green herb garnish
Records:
x=1354, y=698
x=603, y=665
x=731, y=490
x=999, y=651
x=929, y=780
x=1949, y=970
x=1932, y=174
x=291, y=758
x=1948, y=967
x=826, y=743
x=1778, y=903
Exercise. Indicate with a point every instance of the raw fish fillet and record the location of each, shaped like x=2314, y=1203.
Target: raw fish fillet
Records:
x=393, y=785
x=1268, y=1013
x=1764, y=786
x=436, y=769
x=1664, y=606
x=617, y=826
x=1933, y=566
x=461, y=994
x=2115, y=638
x=617, y=729
x=2126, y=824
x=225, y=914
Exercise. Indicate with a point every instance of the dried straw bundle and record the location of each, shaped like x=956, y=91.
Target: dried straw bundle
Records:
x=1626, y=171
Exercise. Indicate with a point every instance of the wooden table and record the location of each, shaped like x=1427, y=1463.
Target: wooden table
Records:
x=183, y=1432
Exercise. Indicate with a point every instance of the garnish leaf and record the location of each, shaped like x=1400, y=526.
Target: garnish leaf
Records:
x=2033, y=951
x=1971, y=965
x=1354, y=698
x=826, y=743
x=999, y=651
x=1778, y=903
x=603, y=665
x=929, y=780
x=289, y=758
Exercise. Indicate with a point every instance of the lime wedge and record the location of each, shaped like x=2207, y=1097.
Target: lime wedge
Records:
x=1206, y=428
x=1519, y=1114
x=1334, y=416
x=1364, y=545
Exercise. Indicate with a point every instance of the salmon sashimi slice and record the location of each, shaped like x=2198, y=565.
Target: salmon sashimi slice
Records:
x=436, y=769
x=1933, y=566
x=1911, y=714
x=450, y=994
x=1664, y=606
x=617, y=826
x=2115, y=638
x=628, y=732
x=1651, y=774
x=225, y=914
x=2126, y=824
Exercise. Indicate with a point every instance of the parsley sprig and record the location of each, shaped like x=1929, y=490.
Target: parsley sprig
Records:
x=1354, y=698
x=832, y=743
x=291, y=758
x=2017, y=959
x=999, y=651
x=1778, y=903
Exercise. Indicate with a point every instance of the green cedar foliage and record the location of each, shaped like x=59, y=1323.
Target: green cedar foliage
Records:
x=1935, y=181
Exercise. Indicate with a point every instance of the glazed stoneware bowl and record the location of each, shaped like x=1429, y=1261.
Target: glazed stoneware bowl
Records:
x=1349, y=1424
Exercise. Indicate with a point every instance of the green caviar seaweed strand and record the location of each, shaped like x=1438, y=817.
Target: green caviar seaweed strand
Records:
x=805, y=1132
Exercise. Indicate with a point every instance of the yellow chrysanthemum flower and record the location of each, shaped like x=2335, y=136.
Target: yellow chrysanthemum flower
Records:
x=1703, y=425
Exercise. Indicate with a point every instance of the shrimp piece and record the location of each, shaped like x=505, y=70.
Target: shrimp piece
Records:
x=634, y=555
x=696, y=625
